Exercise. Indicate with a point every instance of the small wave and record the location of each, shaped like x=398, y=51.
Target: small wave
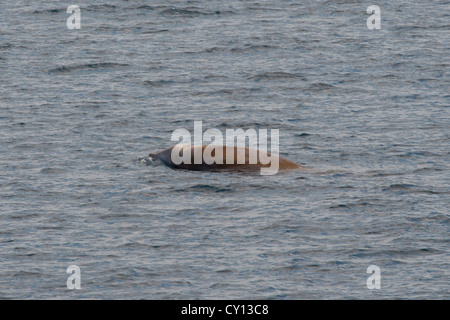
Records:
x=428, y=169
x=152, y=31
x=320, y=86
x=302, y=135
x=252, y=47
x=25, y=273
x=51, y=171
x=215, y=77
x=50, y=11
x=358, y=204
x=276, y=75
x=158, y=83
x=222, y=271
x=88, y=66
x=5, y=46
x=206, y=188
x=418, y=153
x=406, y=252
x=410, y=188
x=398, y=186
x=143, y=7
x=133, y=245
x=245, y=125
x=182, y=12
x=237, y=91
x=101, y=6
x=432, y=217
x=214, y=49
x=177, y=12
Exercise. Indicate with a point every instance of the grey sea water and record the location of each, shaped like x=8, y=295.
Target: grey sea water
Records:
x=366, y=111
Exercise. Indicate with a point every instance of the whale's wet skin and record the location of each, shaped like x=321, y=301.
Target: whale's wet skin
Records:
x=80, y=110
x=227, y=158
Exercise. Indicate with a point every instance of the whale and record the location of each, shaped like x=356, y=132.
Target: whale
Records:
x=222, y=157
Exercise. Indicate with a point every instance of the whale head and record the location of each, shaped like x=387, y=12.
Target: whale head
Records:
x=153, y=155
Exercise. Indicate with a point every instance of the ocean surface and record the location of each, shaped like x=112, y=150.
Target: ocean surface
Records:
x=366, y=112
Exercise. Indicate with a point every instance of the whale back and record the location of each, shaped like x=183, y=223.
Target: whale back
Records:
x=223, y=158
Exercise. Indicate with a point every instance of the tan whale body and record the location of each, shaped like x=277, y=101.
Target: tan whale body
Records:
x=241, y=160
